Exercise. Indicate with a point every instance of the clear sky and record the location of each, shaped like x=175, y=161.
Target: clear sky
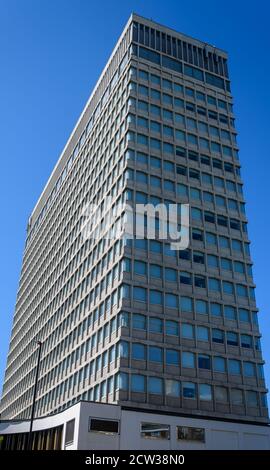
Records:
x=51, y=54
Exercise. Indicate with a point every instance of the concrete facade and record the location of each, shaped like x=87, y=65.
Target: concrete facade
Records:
x=218, y=435
x=130, y=322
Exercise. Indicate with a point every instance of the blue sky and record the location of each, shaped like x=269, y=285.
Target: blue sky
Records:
x=52, y=52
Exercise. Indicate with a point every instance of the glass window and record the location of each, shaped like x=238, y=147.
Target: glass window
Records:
x=155, y=271
x=185, y=433
x=212, y=261
x=232, y=338
x=246, y=341
x=211, y=238
x=155, y=79
x=226, y=264
x=187, y=331
x=221, y=394
x=155, y=385
x=234, y=367
x=188, y=360
x=171, y=300
x=140, y=267
x=217, y=336
x=189, y=390
x=249, y=369
x=237, y=396
x=172, y=388
x=219, y=364
x=244, y=315
x=172, y=357
x=205, y=392
x=137, y=383
x=201, y=307
x=172, y=328
x=147, y=54
x=155, y=297
x=186, y=304
x=215, y=309
x=179, y=118
x=138, y=351
x=214, y=284
x=155, y=354
x=224, y=243
x=230, y=312
x=155, y=127
x=139, y=321
x=202, y=333
x=139, y=294
x=155, y=431
x=204, y=361
x=155, y=325
x=252, y=398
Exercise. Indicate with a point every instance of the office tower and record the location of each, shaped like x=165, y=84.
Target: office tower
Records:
x=131, y=321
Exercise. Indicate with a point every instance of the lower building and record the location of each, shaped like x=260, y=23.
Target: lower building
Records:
x=100, y=426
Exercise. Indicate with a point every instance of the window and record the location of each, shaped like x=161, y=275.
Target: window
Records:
x=186, y=304
x=197, y=234
x=219, y=364
x=185, y=278
x=172, y=388
x=155, y=271
x=217, y=336
x=215, y=310
x=200, y=281
x=138, y=351
x=230, y=312
x=244, y=315
x=106, y=426
x=198, y=257
x=155, y=386
x=202, y=333
x=237, y=396
x=209, y=217
x=172, y=328
x=189, y=390
x=187, y=331
x=232, y=338
x=155, y=325
x=234, y=367
x=204, y=361
x=246, y=341
x=201, y=307
x=155, y=431
x=188, y=360
x=214, y=285
x=249, y=369
x=172, y=64
x=172, y=357
x=69, y=437
x=140, y=267
x=221, y=394
x=149, y=55
x=212, y=261
x=185, y=433
x=155, y=354
x=139, y=294
x=252, y=398
x=139, y=321
x=155, y=297
x=211, y=238
x=205, y=392
x=226, y=264
x=137, y=383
